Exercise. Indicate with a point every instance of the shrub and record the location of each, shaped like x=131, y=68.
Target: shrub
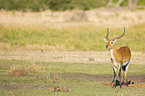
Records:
x=56, y=5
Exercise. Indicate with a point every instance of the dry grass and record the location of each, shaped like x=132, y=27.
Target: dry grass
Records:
x=98, y=17
x=31, y=68
x=57, y=31
x=17, y=72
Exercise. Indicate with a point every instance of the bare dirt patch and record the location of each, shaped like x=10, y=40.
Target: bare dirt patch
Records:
x=23, y=86
x=135, y=78
x=98, y=57
x=129, y=85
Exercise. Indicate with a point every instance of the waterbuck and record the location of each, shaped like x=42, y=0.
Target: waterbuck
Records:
x=119, y=57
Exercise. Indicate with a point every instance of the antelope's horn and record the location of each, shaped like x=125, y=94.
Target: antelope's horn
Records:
x=119, y=36
x=107, y=34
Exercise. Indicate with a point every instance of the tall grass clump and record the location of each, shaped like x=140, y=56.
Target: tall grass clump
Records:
x=29, y=68
x=37, y=70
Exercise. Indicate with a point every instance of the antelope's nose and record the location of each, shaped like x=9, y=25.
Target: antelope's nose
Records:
x=106, y=46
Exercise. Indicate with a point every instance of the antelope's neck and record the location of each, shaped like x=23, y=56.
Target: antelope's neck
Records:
x=113, y=53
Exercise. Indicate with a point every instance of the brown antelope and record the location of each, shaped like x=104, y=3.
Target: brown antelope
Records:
x=119, y=57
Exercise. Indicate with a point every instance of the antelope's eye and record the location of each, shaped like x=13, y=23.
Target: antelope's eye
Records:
x=111, y=42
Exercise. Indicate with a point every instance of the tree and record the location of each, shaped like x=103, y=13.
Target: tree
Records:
x=117, y=5
x=110, y=3
x=132, y=4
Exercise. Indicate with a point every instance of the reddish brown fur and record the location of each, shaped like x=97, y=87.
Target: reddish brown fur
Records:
x=123, y=54
x=119, y=56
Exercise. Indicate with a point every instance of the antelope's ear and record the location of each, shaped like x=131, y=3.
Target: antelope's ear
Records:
x=105, y=40
x=115, y=41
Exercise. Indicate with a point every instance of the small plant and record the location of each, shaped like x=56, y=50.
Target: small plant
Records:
x=31, y=68
x=57, y=89
x=18, y=72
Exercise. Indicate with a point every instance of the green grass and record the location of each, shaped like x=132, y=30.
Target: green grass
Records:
x=53, y=74
x=86, y=89
x=57, y=5
x=73, y=38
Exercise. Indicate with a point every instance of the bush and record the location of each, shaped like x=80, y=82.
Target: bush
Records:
x=24, y=5
x=56, y=5
x=76, y=4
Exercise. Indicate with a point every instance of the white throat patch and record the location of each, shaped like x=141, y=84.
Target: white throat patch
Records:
x=113, y=58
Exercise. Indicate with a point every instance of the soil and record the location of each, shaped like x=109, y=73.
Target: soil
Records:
x=97, y=57
x=134, y=78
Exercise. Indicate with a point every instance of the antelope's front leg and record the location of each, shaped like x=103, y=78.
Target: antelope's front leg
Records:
x=114, y=83
x=120, y=75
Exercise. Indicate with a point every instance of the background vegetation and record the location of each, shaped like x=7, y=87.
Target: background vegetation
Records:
x=56, y=5
x=81, y=38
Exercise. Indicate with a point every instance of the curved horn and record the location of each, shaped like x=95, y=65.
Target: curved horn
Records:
x=107, y=33
x=119, y=36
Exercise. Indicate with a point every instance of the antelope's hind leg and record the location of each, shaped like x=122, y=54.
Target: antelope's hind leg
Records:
x=125, y=75
x=125, y=69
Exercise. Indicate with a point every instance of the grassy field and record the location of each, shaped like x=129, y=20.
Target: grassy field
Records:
x=43, y=50
x=69, y=31
x=81, y=38
x=79, y=78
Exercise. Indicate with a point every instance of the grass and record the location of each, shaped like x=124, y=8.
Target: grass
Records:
x=72, y=38
x=57, y=31
x=80, y=78
x=46, y=75
x=92, y=89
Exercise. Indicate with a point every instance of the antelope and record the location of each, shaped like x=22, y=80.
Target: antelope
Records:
x=119, y=57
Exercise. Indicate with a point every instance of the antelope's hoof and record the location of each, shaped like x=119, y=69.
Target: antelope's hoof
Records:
x=120, y=86
x=126, y=83
x=114, y=86
x=122, y=83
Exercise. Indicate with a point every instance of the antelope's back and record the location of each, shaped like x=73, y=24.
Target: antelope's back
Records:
x=125, y=53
